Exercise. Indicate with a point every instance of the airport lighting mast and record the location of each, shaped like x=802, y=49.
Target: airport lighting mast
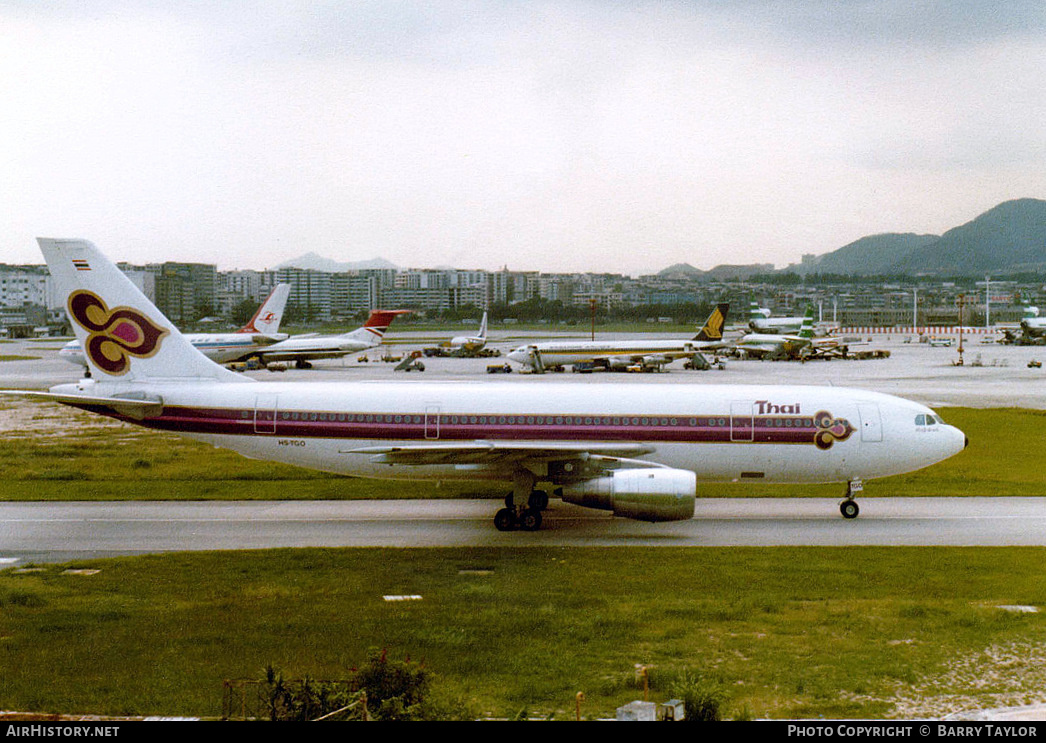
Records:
x=987, y=302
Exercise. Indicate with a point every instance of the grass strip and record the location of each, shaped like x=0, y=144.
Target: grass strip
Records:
x=782, y=632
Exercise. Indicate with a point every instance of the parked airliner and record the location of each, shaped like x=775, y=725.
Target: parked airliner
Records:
x=260, y=331
x=301, y=349
x=636, y=450
x=761, y=321
x=470, y=344
x=623, y=353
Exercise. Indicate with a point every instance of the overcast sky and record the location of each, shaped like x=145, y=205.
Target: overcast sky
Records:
x=554, y=136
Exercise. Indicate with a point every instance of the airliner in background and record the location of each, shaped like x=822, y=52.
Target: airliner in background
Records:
x=1033, y=325
x=262, y=330
x=802, y=345
x=464, y=346
x=621, y=354
x=469, y=344
x=761, y=321
x=301, y=349
x=635, y=450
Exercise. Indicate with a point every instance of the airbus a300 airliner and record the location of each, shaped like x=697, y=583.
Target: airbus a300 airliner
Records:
x=634, y=449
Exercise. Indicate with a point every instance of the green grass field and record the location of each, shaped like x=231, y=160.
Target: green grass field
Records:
x=780, y=632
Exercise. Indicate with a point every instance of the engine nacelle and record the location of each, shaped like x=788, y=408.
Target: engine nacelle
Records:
x=643, y=494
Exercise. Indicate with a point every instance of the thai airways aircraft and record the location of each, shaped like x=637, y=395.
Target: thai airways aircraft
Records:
x=262, y=330
x=303, y=348
x=636, y=450
x=623, y=353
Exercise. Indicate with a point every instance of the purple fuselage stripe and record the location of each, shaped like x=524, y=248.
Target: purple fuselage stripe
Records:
x=456, y=427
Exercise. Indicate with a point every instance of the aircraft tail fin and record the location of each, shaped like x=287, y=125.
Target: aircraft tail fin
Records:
x=124, y=336
x=807, y=329
x=755, y=312
x=713, y=328
x=269, y=316
x=483, y=327
x=373, y=331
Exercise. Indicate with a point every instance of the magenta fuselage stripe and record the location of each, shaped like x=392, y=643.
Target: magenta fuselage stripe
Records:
x=456, y=427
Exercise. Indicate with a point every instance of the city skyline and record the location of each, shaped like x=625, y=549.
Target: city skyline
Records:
x=556, y=136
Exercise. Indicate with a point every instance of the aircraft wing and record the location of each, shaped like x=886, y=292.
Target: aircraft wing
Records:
x=709, y=346
x=262, y=339
x=497, y=452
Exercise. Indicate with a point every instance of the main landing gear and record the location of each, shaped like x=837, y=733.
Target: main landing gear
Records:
x=518, y=517
x=848, y=507
x=524, y=518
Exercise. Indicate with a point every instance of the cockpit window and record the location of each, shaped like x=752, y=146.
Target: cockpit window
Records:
x=928, y=420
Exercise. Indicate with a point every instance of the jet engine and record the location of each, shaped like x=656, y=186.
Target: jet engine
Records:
x=653, y=494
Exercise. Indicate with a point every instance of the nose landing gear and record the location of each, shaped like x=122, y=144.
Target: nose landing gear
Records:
x=848, y=507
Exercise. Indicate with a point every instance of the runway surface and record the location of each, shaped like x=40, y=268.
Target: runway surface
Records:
x=59, y=532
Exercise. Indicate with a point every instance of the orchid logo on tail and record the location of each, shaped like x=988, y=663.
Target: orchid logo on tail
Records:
x=114, y=334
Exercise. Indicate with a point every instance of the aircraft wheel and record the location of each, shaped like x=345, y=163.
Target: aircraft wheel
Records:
x=538, y=500
x=505, y=520
x=531, y=520
x=849, y=509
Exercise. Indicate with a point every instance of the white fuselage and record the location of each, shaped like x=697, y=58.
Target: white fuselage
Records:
x=1034, y=326
x=467, y=343
x=316, y=347
x=722, y=433
x=565, y=353
x=759, y=344
x=776, y=325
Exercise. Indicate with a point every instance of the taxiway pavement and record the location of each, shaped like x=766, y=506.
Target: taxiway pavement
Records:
x=58, y=532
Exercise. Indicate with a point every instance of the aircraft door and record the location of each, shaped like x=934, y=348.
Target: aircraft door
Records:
x=265, y=413
x=871, y=422
x=432, y=421
x=742, y=425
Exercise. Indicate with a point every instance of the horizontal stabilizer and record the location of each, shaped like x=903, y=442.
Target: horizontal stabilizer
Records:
x=138, y=407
